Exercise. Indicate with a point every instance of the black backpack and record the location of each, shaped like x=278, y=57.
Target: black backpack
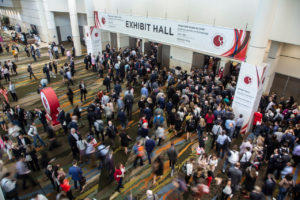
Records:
x=128, y=100
x=288, y=139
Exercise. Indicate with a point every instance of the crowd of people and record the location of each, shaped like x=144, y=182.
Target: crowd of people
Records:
x=187, y=102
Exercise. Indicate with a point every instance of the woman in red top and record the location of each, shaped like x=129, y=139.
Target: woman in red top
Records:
x=65, y=186
x=119, y=177
x=209, y=117
x=257, y=117
x=209, y=178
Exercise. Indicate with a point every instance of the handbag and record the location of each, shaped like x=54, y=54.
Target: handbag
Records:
x=82, y=181
x=28, y=158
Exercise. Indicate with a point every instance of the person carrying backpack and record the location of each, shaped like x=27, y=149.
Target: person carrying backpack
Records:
x=111, y=132
x=158, y=120
x=128, y=100
x=138, y=149
x=99, y=128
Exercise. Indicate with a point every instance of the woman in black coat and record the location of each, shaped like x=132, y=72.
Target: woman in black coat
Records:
x=158, y=168
x=70, y=95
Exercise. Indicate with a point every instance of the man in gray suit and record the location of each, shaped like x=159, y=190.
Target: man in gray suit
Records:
x=235, y=174
x=172, y=154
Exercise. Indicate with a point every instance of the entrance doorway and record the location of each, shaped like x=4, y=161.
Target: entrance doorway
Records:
x=58, y=34
x=163, y=55
x=113, y=39
x=286, y=86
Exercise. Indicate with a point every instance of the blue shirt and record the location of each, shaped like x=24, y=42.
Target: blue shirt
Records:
x=144, y=92
x=149, y=144
x=75, y=172
x=221, y=139
x=228, y=121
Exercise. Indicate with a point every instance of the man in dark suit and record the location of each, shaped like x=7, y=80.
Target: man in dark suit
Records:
x=47, y=72
x=72, y=139
x=83, y=90
x=172, y=154
x=235, y=174
x=23, y=142
x=21, y=117
x=106, y=82
x=42, y=117
x=61, y=117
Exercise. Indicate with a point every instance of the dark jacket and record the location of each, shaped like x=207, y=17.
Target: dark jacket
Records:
x=82, y=90
x=27, y=141
x=72, y=141
x=172, y=154
x=73, y=125
x=235, y=175
x=61, y=117
x=149, y=145
x=269, y=187
x=122, y=116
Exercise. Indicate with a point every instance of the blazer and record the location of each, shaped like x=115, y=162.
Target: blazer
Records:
x=75, y=172
x=235, y=175
x=82, y=89
x=27, y=141
x=61, y=117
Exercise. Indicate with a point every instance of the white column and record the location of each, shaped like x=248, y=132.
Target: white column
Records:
x=43, y=33
x=272, y=60
x=52, y=33
x=89, y=8
x=260, y=31
x=75, y=27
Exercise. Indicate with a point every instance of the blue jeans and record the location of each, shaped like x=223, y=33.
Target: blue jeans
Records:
x=282, y=193
x=35, y=138
x=226, y=162
x=149, y=154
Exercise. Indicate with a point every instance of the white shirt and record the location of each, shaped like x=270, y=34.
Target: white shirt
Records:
x=90, y=148
x=227, y=190
x=69, y=75
x=40, y=197
x=14, y=131
x=189, y=169
x=32, y=131
x=75, y=136
x=246, y=156
x=5, y=71
x=234, y=157
x=81, y=144
x=8, y=185
x=213, y=162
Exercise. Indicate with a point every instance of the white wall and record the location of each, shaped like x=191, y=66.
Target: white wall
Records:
x=105, y=38
x=123, y=41
x=286, y=26
x=62, y=6
x=226, y=13
x=63, y=21
x=24, y=13
x=181, y=57
x=289, y=61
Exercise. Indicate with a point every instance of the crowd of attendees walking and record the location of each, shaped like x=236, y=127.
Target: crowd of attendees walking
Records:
x=195, y=105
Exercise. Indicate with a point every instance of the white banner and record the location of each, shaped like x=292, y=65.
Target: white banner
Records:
x=248, y=92
x=220, y=41
x=93, y=40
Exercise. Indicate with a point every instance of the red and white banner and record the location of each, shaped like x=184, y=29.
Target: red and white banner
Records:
x=248, y=92
x=220, y=41
x=51, y=103
x=93, y=40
